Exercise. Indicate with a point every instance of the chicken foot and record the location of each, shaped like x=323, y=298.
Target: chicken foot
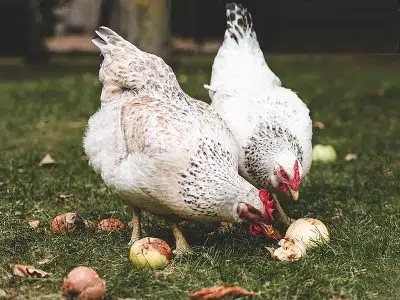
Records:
x=182, y=247
x=136, y=226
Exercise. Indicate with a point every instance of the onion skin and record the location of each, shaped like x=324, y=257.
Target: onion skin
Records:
x=83, y=283
x=151, y=253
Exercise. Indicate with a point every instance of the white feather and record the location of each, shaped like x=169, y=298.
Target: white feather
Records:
x=249, y=96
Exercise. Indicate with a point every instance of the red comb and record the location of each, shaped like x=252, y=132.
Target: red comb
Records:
x=296, y=180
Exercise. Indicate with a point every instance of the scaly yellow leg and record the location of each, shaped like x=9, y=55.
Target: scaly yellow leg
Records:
x=182, y=246
x=136, y=226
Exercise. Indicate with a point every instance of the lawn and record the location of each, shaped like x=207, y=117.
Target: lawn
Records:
x=45, y=110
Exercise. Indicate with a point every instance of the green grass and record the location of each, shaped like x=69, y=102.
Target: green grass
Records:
x=46, y=110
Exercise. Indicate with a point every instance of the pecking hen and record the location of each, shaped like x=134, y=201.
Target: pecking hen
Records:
x=163, y=151
x=271, y=124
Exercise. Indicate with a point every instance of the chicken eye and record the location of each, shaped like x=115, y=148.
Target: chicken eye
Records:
x=284, y=175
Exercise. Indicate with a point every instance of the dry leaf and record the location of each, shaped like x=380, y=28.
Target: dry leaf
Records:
x=220, y=291
x=61, y=198
x=47, y=160
x=319, y=124
x=84, y=157
x=28, y=271
x=34, y=223
x=45, y=261
x=350, y=156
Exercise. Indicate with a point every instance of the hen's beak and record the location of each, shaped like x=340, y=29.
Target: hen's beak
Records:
x=271, y=232
x=295, y=194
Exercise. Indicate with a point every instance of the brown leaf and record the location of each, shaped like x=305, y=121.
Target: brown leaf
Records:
x=61, y=198
x=28, y=271
x=45, y=261
x=34, y=223
x=47, y=160
x=84, y=157
x=319, y=124
x=219, y=291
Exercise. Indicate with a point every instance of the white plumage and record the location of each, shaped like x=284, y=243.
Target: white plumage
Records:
x=161, y=150
x=271, y=124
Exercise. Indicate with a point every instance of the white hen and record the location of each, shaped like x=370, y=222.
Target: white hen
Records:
x=271, y=124
x=161, y=150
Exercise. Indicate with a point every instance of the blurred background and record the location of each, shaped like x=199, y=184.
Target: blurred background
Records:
x=34, y=29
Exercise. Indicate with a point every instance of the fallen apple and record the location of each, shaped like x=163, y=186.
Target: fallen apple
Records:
x=111, y=224
x=151, y=253
x=67, y=223
x=323, y=153
x=83, y=283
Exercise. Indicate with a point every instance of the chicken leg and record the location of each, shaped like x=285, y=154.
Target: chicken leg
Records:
x=182, y=247
x=136, y=226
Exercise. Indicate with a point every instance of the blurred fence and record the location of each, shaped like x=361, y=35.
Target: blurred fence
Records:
x=282, y=25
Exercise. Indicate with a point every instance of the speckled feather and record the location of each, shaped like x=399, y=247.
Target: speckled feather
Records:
x=270, y=123
x=158, y=148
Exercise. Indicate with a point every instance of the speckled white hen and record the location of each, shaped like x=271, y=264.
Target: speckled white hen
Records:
x=161, y=150
x=271, y=124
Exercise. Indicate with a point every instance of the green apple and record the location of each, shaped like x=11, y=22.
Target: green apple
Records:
x=324, y=153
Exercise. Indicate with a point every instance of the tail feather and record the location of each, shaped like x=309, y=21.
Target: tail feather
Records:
x=107, y=38
x=128, y=67
x=239, y=23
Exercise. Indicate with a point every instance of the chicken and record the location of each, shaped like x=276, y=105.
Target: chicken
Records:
x=271, y=124
x=162, y=151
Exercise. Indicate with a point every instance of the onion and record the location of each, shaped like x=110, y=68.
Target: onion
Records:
x=308, y=231
x=289, y=250
x=151, y=253
x=301, y=235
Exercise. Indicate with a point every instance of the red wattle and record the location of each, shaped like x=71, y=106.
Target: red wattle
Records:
x=268, y=203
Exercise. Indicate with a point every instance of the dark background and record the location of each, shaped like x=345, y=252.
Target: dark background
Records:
x=367, y=26
x=301, y=25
